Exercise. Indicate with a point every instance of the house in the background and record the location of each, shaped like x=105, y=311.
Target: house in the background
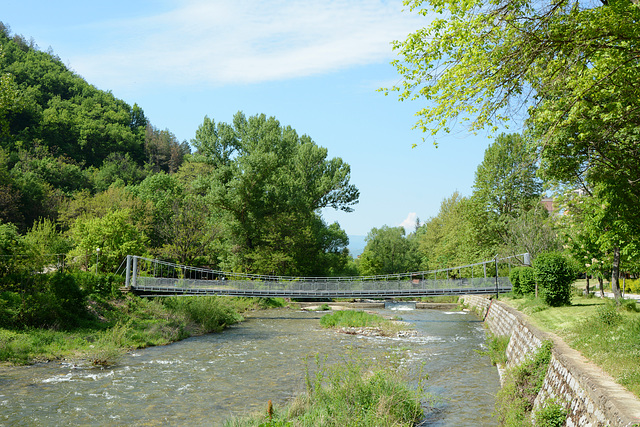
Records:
x=547, y=202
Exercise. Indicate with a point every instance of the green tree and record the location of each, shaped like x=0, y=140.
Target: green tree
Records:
x=12, y=247
x=119, y=169
x=389, y=251
x=505, y=182
x=113, y=235
x=533, y=231
x=455, y=236
x=475, y=58
x=598, y=236
x=188, y=232
x=8, y=99
x=162, y=191
x=571, y=66
x=268, y=184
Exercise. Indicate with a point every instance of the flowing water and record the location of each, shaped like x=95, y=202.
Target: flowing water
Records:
x=205, y=380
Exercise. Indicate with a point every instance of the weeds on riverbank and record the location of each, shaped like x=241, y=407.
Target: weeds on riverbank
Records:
x=353, y=393
x=496, y=349
x=514, y=401
x=118, y=325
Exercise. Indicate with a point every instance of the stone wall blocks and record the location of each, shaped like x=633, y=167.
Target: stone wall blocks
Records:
x=566, y=377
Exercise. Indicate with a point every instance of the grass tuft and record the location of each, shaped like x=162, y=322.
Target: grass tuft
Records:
x=353, y=393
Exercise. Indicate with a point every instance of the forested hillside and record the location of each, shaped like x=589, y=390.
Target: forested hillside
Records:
x=81, y=169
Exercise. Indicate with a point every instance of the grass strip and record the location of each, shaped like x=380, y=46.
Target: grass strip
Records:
x=605, y=333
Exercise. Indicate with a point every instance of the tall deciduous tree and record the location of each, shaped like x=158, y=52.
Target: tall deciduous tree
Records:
x=389, y=251
x=455, y=236
x=269, y=183
x=506, y=181
x=573, y=65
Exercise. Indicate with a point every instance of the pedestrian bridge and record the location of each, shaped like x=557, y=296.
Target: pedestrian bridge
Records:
x=150, y=277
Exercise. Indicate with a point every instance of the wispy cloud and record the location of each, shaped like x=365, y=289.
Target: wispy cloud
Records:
x=247, y=41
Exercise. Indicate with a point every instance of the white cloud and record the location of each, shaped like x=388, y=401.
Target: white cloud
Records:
x=409, y=223
x=247, y=41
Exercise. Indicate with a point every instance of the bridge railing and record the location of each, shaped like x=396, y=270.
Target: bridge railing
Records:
x=162, y=276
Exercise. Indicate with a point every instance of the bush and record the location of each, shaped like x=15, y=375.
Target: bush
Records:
x=632, y=286
x=554, y=277
x=105, y=285
x=352, y=393
x=514, y=401
x=609, y=315
x=514, y=278
x=497, y=349
x=552, y=414
x=523, y=280
x=209, y=312
x=43, y=301
x=527, y=280
x=351, y=318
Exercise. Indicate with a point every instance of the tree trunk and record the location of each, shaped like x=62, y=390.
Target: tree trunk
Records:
x=588, y=290
x=601, y=283
x=615, y=274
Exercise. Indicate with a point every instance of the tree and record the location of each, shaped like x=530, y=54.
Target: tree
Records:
x=455, y=236
x=8, y=99
x=533, y=231
x=388, y=251
x=188, y=232
x=475, y=59
x=163, y=151
x=574, y=66
x=267, y=183
x=598, y=236
x=505, y=181
x=113, y=235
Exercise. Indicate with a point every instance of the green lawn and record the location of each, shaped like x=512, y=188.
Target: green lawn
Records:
x=606, y=334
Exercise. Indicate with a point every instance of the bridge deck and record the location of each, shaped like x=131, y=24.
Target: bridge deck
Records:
x=339, y=290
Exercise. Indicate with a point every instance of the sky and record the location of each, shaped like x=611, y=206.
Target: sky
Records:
x=314, y=65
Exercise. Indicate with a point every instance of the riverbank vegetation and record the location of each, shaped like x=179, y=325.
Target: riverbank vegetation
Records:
x=521, y=385
x=350, y=320
x=109, y=327
x=352, y=393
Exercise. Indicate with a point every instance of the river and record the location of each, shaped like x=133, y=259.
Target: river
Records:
x=207, y=379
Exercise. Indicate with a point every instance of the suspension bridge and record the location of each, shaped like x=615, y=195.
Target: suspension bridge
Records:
x=156, y=278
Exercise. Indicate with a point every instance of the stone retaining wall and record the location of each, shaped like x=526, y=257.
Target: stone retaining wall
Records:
x=589, y=394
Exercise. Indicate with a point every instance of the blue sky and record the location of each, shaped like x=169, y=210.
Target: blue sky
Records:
x=313, y=64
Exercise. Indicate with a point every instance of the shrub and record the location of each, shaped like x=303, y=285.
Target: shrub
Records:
x=497, y=349
x=105, y=285
x=527, y=280
x=351, y=318
x=609, y=315
x=523, y=280
x=514, y=278
x=352, y=393
x=554, y=277
x=210, y=313
x=632, y=286
x=552, y=414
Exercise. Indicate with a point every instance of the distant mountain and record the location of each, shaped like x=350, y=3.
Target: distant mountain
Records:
x=356, y=245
